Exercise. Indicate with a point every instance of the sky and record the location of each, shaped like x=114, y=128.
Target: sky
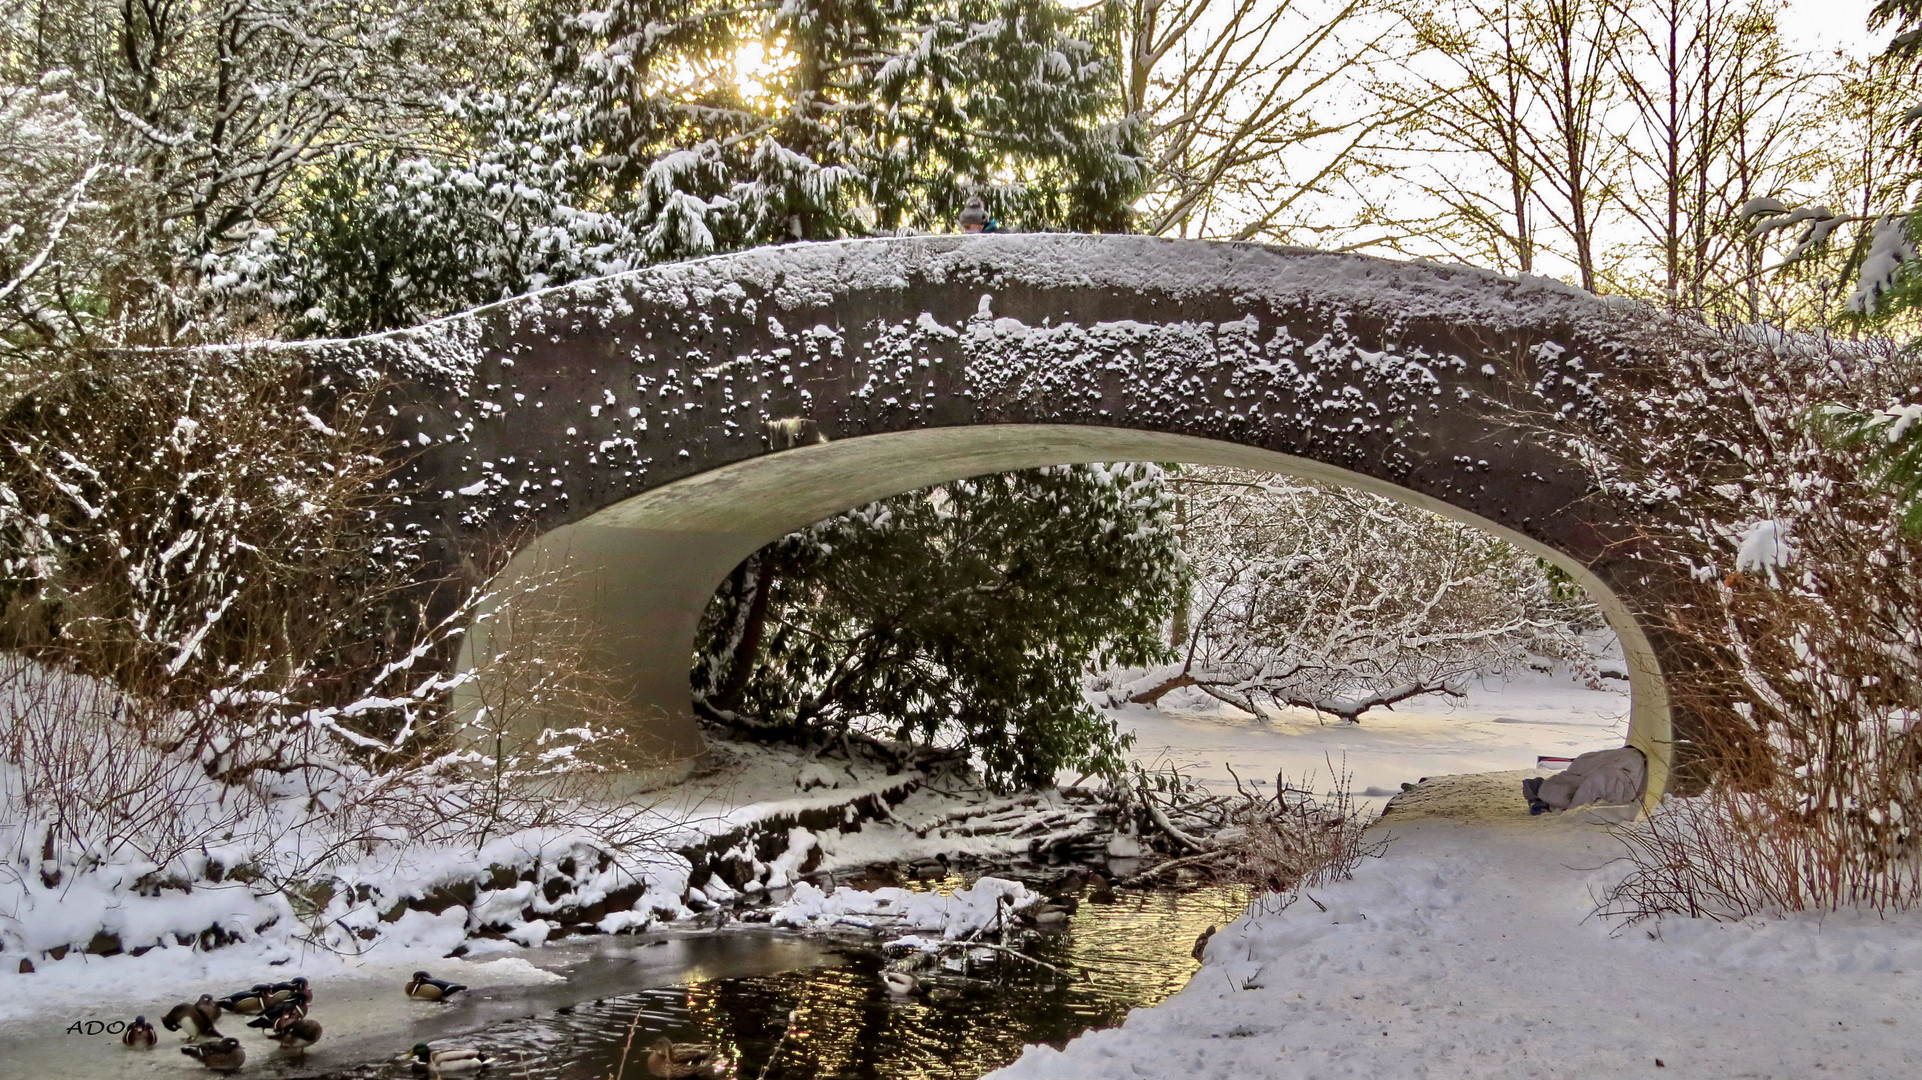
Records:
x=1830, y=24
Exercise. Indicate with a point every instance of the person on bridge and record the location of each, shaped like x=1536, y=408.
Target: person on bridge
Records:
x=974, y=216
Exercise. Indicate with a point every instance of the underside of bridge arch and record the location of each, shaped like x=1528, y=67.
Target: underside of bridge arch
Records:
x=641, y=572
x=634, y=437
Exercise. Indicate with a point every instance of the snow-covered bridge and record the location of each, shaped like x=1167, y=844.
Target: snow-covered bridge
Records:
x=657, y=427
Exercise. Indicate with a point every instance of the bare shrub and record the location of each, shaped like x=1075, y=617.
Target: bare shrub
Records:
x=83, y=788
x=1795, y=613
x=1342, y=601
x=1285, y=841
x=540, y=725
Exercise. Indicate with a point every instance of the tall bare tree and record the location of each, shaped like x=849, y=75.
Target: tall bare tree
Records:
x=1250, y=112
x=1723, y=113
x=1514, y=101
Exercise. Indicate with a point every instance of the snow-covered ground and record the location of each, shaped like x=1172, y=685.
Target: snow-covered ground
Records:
x=1496, y=726
x=1469, y=951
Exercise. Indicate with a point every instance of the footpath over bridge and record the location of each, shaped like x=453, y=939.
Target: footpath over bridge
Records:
x=644, y=433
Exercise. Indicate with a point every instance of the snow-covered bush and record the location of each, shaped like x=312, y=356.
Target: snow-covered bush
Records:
x=1340, y=601
x=636, y=142
x=211, y=534
x=198, y=528
x=1795, y=612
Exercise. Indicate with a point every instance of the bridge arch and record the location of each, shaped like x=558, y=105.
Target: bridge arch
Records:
x=657, y=427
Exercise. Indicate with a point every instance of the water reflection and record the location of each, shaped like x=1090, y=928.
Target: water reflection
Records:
x=1135, y=951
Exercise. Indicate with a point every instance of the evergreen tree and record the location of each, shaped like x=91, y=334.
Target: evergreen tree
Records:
x=637, y=142
x=961, y=615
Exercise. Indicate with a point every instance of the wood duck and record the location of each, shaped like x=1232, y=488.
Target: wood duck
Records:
x=675, y=1061
x=295, y=1034
x=249, y=1001
x=223, y=1056
x=293, y=989
x=139, y=1034
x=427, y=988
x=198, y=1018
x=450, y=1059
x=291, y=1009
x=1101, y=890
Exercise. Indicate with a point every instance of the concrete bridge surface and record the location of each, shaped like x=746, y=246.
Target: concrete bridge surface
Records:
x=628, y=440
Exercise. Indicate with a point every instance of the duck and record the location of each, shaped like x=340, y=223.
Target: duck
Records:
x=1047, y=915
x=200, y=1016
x=295, y=1034
x=425, y=987
x=249, y=1001
x=294, y=989
x=1201, y=942
x=139, y=1035
x=675, y=1061
x=898, y=982
x=223, y=1056
x=1101, y=890
x=291, y=1009
x=450, y=1059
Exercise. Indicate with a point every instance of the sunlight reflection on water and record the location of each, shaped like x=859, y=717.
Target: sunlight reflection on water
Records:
x=1136, y=952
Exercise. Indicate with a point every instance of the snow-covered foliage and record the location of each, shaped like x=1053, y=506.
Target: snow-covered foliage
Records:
x=50, y=215
x=204, y=530
x=117, y=832
x=639, y=143
x=191, y=121
x=1340, y=601
x=1804, y=609
x=958, y=616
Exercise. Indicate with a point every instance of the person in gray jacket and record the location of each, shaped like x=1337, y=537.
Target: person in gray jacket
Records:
x=1600, y=776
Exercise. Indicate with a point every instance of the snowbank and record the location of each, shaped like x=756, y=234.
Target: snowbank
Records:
x=959, y=914
x=1469, y=951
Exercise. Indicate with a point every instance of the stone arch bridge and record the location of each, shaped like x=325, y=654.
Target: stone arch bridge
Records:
x=648, y=431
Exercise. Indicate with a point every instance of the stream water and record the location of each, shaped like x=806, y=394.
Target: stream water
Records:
x=1132, y=952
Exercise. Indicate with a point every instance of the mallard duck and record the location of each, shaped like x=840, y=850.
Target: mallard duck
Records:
x=1047, y=915
x=249, y=1001
x=427, y=988
x=674, y=1061
x=199, y=1016
x=295, y=1034
x=291, y=1009
x=139, y=1034
x=450, y=1059
x=898, y=982
x=223, y=1056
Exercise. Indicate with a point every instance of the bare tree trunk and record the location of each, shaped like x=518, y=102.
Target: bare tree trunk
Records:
x=751, y=583
x=1178, y=629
